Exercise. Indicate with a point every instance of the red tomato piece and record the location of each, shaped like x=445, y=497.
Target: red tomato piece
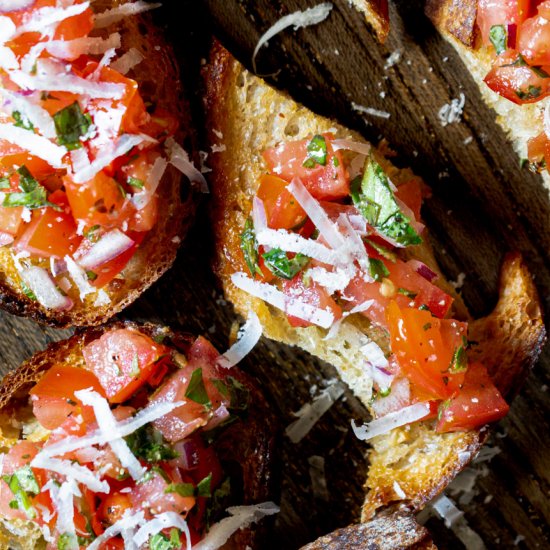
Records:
x=74, y=27
x=51, y=233
x=517, y=82
x=410, y=193
x=281, y=208
x=538, y=148
x=122, y=360
x=184, y=420
x=10, y=219
x=325, y=182
x=161, y=124
x=478, y=403
x=312, y=294
x=533, y=40
x=501, y=12
x=151, y=496
x=424, y=347
x=113, y=507
x=53, y=398
x=56, y=101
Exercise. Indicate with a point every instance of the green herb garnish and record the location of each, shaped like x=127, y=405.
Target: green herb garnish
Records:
x=135, y=182
x=196, y=391
x=532, y=92
x=377, y=269
x=67, y=541
x=498, y=35
x=160, y=541
x=459, y=362
x=22, y=483
x=70, y=125
x=22, y=122
x=92, y=233
x=316, y=152
x=278, y=262
x=249, y=246
x=27, y=291
x=33, y=195
x=5, y=183
x=147, y=443
x=182, y=489
x=408, y=293
x=375, y=200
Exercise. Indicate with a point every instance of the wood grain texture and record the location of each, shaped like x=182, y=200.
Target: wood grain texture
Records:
x=482, y=206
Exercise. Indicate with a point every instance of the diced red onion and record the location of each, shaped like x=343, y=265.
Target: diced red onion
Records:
x=350, y=145
x=109, y=246
x=399, y=398
x=44, y=288
x=188, y=454
x=220, y=414
x=423, y=270
x=5, y=238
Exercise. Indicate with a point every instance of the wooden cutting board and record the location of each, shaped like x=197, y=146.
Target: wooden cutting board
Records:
x=482, y=206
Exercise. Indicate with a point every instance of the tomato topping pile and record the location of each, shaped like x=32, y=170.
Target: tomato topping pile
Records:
x=326, y=238
x=518, y=31
x=177, y=471
x=80, y=154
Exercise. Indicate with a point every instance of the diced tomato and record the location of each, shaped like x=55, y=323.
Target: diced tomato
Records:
x=478, y=403
x=410, y=193
x=51, y=232
x=10, y=219
x=53, y=398
x=74, y=27
x=54, y=102
x=533, y=40
x=538, y=149
x=425, y=347
x=325, y=182
x=113, y=507
x=311, y=293
x=501, y=12
x=98, y=201
x=122, y=360
x=184, y=420
x=151, y=496
x=282, y=209
x=517, y=82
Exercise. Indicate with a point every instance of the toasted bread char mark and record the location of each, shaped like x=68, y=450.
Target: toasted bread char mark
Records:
x=158, y=251
x=419, y=460
x=520, y=122
x=508, y=342
x=390, y=530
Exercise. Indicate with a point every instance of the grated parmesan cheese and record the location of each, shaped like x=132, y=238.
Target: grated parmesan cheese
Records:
x=452, y=112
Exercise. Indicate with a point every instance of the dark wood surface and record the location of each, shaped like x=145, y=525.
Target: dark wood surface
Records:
x=482, y=206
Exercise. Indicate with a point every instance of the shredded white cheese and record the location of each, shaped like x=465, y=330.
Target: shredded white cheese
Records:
x=248, y=337
x=159, y=523
x=369, y=110
x=298, y=20
x=118, y=13
x=452, y=112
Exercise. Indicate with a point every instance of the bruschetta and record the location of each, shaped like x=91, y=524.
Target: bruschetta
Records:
x=92, y=203
x=132, y=436
x=320, y=235
x=504, y=45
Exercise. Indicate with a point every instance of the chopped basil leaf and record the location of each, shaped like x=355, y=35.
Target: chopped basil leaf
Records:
x=498, y=35
x=316, y=152
x=147, y=443
x=408, y=293
x=182, y=489
x=92, y=233
x=196, y=391
x=384, y=393
x=13, y=505
x=424, y=307
x=221, y=387
x=459, y=362
x=27, y=291
x=203, y=487
x=427, y=326
x=249, y=246
x=240, y=395
x=91, y=275
x=70, y=125
x=532, y=92
x=33, y=194
x=519, y=62
x=21, y=121
x=377, y=269
x=5, y=183
x=21, y=484
x=135, y=182
x=382, y=250
x=277, y=261
x=376, y=201
x=540, y=72
x=160, y=541
x=442, y=407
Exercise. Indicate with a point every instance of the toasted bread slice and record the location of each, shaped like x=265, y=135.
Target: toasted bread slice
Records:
x=246, y=446
x=455, y=20
x=246, y=116
x=376, y=13
x=176, y=202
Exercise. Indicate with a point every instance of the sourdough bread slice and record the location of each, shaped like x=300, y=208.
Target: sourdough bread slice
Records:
x=246, y=116
x=177, y=202
x=455, y=20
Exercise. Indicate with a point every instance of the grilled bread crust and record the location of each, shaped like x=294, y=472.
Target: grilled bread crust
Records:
x=376, y=14
x=245, y=117
x=247, y=446
x=177, y=202
x=455, y=20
